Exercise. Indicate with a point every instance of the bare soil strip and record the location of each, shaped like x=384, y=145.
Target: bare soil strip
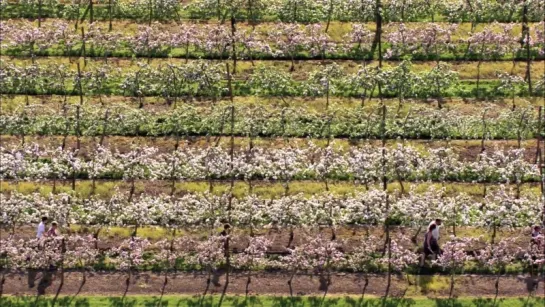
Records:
x=275, y=283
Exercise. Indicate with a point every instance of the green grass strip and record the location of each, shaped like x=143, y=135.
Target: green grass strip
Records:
x=184, y=300
x=262, y=189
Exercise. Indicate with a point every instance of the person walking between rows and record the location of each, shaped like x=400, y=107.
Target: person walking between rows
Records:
x=431, y=241
x=52, y=232
x=41, y=228
x=438, y=223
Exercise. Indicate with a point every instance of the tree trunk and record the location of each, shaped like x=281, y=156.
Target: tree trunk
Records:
x=479, y=78
x=248, y=281
x=233, y=43
x=526, y=37
x=208, y=281
x=91, y=14
x=61, y=284
x=292, y=68
x=493, y=238
x=150, y=12
x=110, y=15
x=483, y=119
x=378, y=31
x=104, y=128
x=329, y=15
x=290, y=282
x=389, y=276
x=131, y=193
x=365, y=285
x=82, y=50
x=40, y=13
x=451, y=292
x=497, y=288
x=80, y=87
x=127, y=284
x=66, y=127
x=78, y=129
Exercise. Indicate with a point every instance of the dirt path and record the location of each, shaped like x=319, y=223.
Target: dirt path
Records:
x=267, y=283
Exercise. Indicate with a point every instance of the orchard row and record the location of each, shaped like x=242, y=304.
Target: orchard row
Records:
x=316, y=254
x=502, y=207
x=428, y=41
x=214, y=80
x=223, y=119
x=281, y=10
x=365, y=164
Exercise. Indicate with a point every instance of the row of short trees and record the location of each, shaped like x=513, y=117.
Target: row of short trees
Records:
x=316, y=254
x=284, y=10
x=502, y=208
x=422, y=41
x=361, y=163
x=257, y=121
x=207, y=79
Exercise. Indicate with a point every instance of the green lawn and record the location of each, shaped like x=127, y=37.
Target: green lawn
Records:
x=266, y=301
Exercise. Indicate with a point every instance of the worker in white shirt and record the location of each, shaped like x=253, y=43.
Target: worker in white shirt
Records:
x=431, y=241
x=435, y=232
x=41, y=228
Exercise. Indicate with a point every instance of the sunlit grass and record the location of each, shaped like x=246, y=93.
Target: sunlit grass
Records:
x=262, y=189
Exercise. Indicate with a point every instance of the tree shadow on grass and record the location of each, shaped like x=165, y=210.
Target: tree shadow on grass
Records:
x=242, y=301
x=487, y=302
x=532, y=301
x=154, y=302
x=447, y=302
x=287, y=301
x=378, y=302
x=197, y=301
x=245, y=301
x=122, y=302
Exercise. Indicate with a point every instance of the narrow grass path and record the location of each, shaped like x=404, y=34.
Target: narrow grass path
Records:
x=263, y=189
x=263, y=301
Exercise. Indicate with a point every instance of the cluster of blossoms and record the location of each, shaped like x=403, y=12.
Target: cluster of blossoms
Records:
x=497, y=256
x=317, y=254
x=285, y=40
x=501, y=208
x=365, y=164
x=74, y=251
x=454, y=255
